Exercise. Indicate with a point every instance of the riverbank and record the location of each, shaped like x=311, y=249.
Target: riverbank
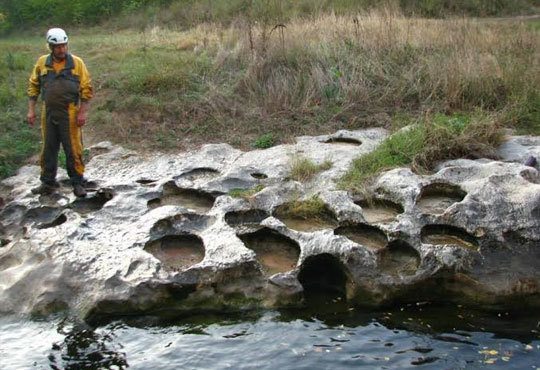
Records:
x=257, y=85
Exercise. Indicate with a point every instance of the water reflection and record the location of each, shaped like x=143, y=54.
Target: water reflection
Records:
x=86, y=348
x=328, y=334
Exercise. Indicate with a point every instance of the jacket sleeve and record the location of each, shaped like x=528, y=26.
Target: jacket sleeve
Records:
x=86, y=91
x=33, y=83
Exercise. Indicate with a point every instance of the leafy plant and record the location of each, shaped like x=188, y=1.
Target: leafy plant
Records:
x=264, y=141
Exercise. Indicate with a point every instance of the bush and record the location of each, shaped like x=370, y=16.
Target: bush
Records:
x=475, y=8
x=24, y=13
x=264, y=141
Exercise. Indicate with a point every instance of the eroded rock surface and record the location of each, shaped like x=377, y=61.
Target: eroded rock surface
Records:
x=204, y=230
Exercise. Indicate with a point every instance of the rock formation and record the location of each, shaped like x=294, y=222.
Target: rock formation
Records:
x=219, y=228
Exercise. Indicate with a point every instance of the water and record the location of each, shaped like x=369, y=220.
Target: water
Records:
x=307, y=225
x=417, y=336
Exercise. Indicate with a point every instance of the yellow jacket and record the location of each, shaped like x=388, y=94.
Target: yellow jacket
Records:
x=74, y=70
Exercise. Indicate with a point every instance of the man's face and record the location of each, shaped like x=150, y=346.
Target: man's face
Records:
x=59, y=51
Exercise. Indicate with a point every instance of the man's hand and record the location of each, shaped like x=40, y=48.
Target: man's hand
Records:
x=31, y=115
x=81, y=119
x=31, y=118
x=83, y=114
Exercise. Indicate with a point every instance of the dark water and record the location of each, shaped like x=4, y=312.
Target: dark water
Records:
x=416, y=336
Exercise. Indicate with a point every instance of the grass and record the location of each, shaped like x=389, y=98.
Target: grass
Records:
x=425, y=143
x=310, y=209
x=304, y=169
x=245, y=193
x=16, y=145
x=18, y=141
x=172, y=88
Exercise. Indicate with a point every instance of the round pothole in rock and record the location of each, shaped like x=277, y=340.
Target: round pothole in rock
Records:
x=343, y=140
x=259, y=176
x=56, y=222
x=8, y=261
x=436, y=198
x=177, y=252
x=323, y=278
x=196, y=200
x=446, y=234
x=246, y=220
x=379, y=210
x=203, y=173
x=514, y=237
x=42, y=215
x=399, y=259
x=366, y=235
x=146, y=182
x=183, y=223
x=12, y=214
x=92, y=203
x=275, y=252
x=54, y=200
x=308, y=216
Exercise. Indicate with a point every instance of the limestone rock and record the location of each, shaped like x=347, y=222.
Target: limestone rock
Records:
x=209, y=229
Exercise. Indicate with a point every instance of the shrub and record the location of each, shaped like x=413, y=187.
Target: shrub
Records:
x=264, y=141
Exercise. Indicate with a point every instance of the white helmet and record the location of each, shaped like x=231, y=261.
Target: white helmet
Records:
x=56, y=36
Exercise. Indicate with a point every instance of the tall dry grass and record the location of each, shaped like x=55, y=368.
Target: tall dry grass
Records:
x=215, y=83
x=386, y=61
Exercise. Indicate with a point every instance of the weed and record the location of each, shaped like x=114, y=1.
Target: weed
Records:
x=303, y=169
x=264, y=141
x=524, y=114
x=16, y=61
x=62, y=161
x=534, y=24
x=311, y=209
x=245, y=193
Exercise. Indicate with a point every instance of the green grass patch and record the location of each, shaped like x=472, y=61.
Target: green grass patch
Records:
x=18, y=140
x=17, y=143
x=534, y=24
x=424, y=144
x=524, y=114
x=303, y=169
x=245, y=193
x=311, y=209
x=398, y=150
x=264, y=141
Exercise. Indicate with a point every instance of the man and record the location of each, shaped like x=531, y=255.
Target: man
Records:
x=65, y=87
